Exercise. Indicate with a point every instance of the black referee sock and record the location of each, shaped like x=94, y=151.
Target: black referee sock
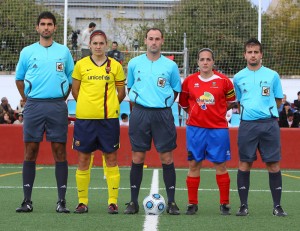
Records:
x=275, y=182
x=169, y=175
x=136, y=176
x=28, y=178
x=243, y=184
x=61, y=174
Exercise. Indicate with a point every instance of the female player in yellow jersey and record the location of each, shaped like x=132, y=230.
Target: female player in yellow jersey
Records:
x=98, y=87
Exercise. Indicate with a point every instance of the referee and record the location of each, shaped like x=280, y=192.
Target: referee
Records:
x=153, y=85
x=259, y=92
x=43, y=78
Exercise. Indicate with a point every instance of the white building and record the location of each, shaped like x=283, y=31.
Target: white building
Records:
x=118, y=18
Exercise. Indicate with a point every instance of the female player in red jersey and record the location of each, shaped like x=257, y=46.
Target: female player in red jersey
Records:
x=206, y=96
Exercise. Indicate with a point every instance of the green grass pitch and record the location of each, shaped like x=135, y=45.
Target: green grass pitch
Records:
x=44, y=199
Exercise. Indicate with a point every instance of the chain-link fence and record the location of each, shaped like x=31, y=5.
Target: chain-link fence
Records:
x=222, y=25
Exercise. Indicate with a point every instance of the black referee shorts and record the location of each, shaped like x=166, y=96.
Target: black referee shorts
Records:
x=146, y=124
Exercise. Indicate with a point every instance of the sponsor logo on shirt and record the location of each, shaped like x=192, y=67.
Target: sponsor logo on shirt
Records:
x=206, y=99
x=99, y=77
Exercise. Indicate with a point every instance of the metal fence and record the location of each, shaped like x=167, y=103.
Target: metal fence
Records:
x=222, y=25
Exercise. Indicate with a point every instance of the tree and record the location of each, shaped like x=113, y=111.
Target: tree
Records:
x=222, y=25
x=131, y=33
x=17, y=23
x=282, y=38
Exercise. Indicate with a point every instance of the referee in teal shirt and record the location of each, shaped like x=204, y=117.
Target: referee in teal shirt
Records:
x=153, y=83
x=43, y=78
x=259, y=93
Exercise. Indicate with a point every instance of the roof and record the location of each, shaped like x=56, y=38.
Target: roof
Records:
x=107, y=1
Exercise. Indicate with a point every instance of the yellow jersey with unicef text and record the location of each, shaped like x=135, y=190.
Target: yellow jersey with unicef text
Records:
x=97, y=98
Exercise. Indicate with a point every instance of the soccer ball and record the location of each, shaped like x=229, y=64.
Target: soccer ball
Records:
x=154, y=204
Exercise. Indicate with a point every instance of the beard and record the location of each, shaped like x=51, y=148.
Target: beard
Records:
x=254, y=64
x=46, y=35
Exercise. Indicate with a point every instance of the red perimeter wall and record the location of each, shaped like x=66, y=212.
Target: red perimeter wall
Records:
x=12, y=149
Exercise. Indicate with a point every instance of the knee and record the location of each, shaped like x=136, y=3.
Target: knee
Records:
x=273, y=167
x=84, y=162
x=167, y=162
x=30, y=155
x=194, y=169
x=60, y=156
x=245, y=166
x=31, y=151
x=221, y=169
x=166, y=158
x=111, y=159
x=194, y=172
x=138, y=157
x=59, y=152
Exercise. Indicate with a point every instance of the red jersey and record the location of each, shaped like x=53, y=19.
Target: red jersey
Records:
x=206, y=100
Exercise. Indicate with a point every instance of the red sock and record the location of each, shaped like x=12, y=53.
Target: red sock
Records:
x=192, y=184
x=223, y=182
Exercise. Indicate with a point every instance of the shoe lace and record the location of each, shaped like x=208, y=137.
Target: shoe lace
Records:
x=130, y=203
x=113, y=206
x=81, y=205
x=190, y=207
x=173, y=206
x=62, y=203
x=279, y=209
x=243, y=206
x=225, y=206
x=25, y=202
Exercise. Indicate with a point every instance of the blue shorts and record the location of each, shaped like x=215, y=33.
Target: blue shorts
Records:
x=208, y=143
x=48, y=116
x=91, y=135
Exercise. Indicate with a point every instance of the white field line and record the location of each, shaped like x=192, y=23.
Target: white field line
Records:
x=151, y=221
x=4, y=166
x=177, y=189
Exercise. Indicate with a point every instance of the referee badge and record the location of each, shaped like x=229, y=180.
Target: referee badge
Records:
x=161, y=82
x=266, y=91
x=59, y=66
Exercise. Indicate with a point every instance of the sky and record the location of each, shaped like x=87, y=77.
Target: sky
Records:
x=264, y=3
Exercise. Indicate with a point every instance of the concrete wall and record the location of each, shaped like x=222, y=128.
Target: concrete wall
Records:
x=12, y=149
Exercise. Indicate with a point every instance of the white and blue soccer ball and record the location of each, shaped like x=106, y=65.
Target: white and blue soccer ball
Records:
x=154, y=204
